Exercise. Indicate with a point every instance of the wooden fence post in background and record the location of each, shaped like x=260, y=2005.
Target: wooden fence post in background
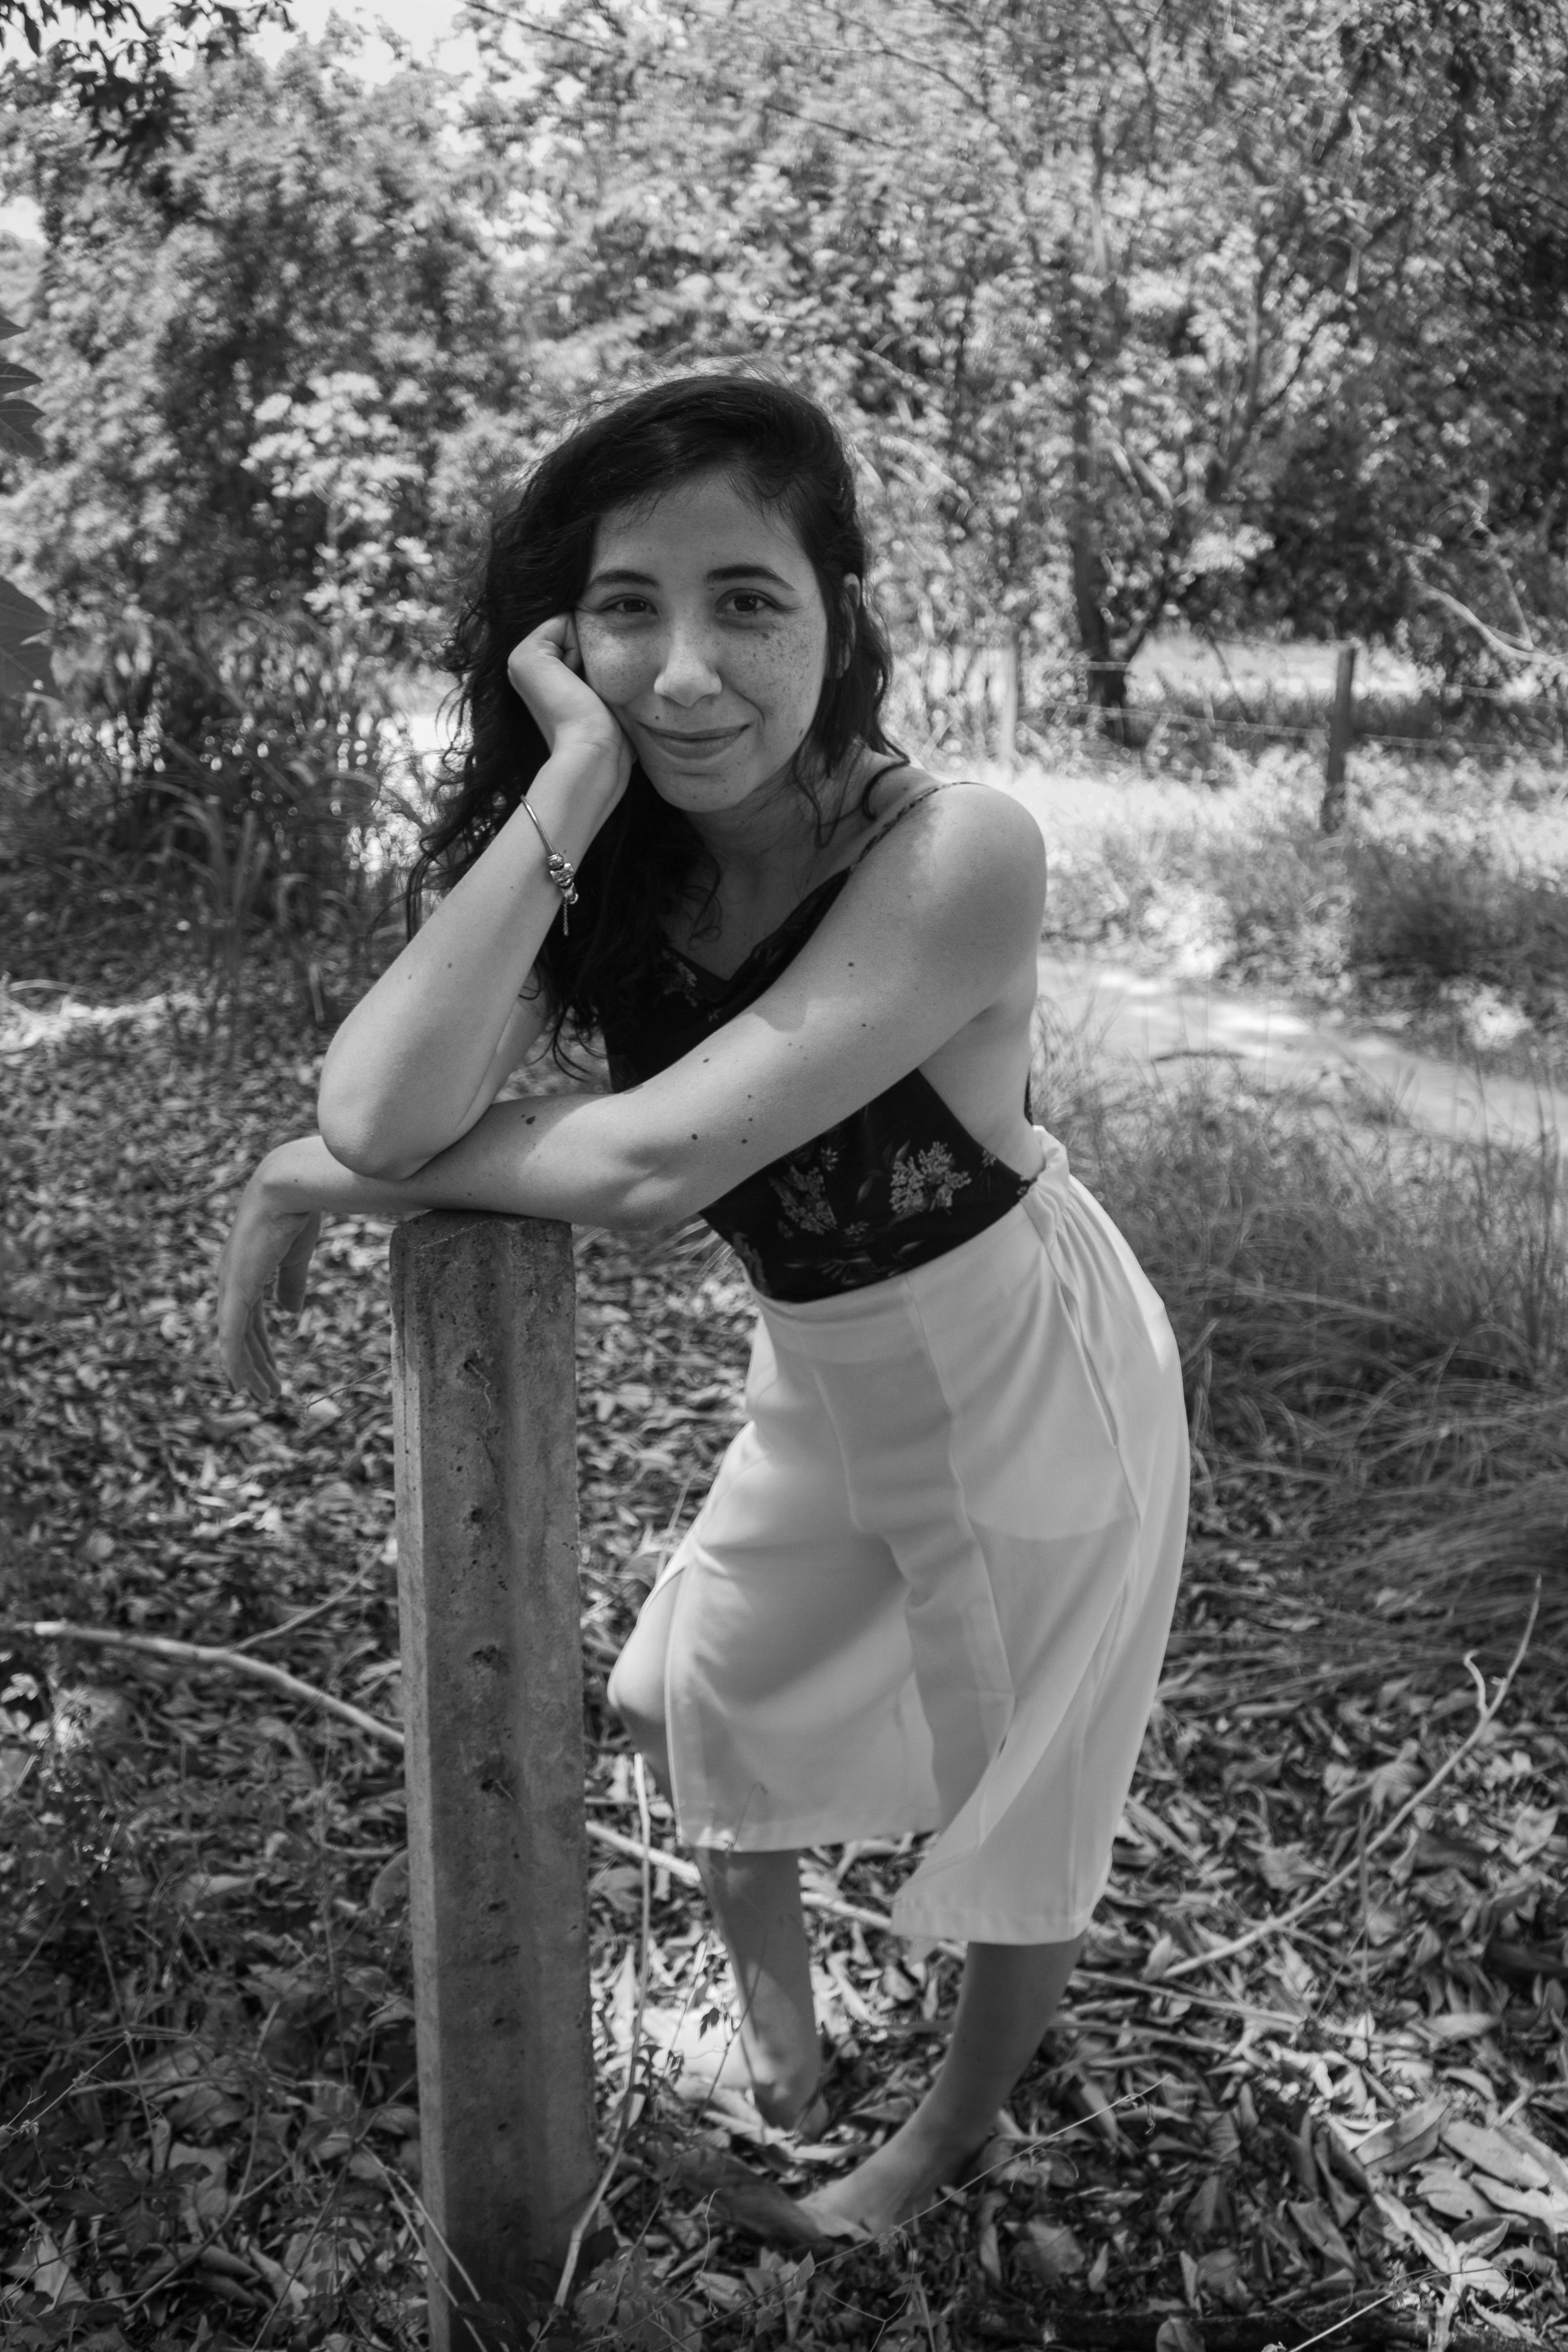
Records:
x=487, y=1559
x=1342, y=728
x=1007, y=716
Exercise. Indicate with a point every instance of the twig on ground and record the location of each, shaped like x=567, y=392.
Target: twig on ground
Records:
x=193, y=2255
x=292, y=1624
x=1395, y=1821
x=199, y=1654
x=125, y=2036
x=398, y=2183
x=831, y=1906
x=32, y=2211
x=601, y=2190
x=1108, y=1980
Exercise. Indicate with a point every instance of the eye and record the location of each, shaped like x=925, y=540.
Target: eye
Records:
x=749, y=603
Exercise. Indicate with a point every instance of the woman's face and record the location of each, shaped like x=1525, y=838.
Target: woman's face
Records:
x=704, y=630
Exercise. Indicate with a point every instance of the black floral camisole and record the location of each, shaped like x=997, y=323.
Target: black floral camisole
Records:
x=896, y=1184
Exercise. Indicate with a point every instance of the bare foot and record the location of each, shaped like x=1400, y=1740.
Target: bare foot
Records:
x=766, y=2062
x=900, y=2180
x=782, y=2065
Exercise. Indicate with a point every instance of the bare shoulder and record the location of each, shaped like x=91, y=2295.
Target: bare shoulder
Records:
x=952, y=879
x=976, y=833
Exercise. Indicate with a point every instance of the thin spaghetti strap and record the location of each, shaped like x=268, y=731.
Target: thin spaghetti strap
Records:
x=897, y=818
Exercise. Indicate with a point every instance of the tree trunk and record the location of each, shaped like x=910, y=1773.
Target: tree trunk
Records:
x=1107, y=678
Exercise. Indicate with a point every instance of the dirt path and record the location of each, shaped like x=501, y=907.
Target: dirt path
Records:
x=1160, y=1022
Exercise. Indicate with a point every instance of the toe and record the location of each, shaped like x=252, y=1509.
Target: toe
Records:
x=830, y=2224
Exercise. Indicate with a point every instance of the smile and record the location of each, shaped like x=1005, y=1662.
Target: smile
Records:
x=718, y=738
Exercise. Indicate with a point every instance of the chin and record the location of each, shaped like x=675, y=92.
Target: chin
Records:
x=696, y=793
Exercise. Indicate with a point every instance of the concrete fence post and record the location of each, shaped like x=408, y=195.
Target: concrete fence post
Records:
x=487, y=1543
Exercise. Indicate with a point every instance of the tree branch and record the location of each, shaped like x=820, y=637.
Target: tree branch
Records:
x=1504, y=647
x=200, y=1653
x=1288, y=1919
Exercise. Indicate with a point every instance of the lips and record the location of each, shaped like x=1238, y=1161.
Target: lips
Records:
x=704, y=742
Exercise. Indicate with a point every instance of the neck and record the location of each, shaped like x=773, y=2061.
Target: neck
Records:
x=774, y=830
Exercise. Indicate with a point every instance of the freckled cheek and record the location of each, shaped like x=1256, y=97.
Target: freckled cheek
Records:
x=618, y=668
x=784, y=678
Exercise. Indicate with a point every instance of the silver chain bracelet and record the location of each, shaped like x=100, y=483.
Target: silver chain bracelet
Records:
x=560, y=870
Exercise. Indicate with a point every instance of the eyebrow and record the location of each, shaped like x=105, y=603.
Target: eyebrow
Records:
x=725, y=571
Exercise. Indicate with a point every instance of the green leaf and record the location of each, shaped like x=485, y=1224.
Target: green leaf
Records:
x=17, y=433
x=22, y=622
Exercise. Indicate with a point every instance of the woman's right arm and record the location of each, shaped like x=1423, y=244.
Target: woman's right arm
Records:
x=420, y=1058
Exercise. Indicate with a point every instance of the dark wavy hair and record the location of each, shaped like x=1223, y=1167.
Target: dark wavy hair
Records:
x=784, y=452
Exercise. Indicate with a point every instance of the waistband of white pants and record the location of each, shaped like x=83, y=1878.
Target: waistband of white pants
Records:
x=943, y=1284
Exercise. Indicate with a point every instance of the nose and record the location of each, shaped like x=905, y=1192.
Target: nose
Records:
x=686, y=674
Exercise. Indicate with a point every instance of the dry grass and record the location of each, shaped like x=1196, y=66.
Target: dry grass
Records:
x=1373, y=1326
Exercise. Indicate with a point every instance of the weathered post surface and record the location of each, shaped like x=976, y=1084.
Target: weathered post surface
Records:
x=1342, y=728
x=486, y=1547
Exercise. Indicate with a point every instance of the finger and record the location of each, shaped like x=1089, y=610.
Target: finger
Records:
x=548, y=639
x=247, y=1374
x=294, y=1270
x=261, y=1371
x=229, y=1336
x=247, y=1367
x=571, y=650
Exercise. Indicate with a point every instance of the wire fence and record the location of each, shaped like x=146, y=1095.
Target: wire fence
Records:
x=997, y=696
x=1223, y=723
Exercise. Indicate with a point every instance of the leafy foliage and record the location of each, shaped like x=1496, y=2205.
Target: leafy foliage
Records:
x=210, y=2131
x=1245, y=314
x=116, y=68
x=254, y=354
x=1134, y=311
x=21, y=619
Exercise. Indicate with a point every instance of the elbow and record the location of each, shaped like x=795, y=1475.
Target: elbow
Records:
x=361, y=1131
x=642, y=1215
x=363, y=1155
x=649, y=1201
x=355, y=1143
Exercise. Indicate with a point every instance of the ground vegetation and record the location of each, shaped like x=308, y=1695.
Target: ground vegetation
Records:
x=1436, y=914
x=1315, y=2062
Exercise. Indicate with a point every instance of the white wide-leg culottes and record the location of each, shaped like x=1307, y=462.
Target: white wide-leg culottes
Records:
x=931, y=1584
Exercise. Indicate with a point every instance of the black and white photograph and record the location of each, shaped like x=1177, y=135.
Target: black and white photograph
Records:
x=783, y=1075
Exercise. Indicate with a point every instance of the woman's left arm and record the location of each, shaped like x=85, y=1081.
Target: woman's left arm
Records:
x=929, y=933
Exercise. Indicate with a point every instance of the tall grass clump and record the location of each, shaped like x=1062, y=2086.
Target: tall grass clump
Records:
x=1373, y=1327
x=1354, y=1301
x=1436, y=912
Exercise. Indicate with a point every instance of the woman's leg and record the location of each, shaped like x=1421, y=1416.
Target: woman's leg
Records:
x=755, y=1898
x=1009, y=1994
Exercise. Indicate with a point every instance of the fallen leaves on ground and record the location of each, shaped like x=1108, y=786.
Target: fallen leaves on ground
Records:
x=209, y=2127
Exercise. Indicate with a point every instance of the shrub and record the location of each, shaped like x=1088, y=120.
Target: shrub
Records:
x=1435, y=911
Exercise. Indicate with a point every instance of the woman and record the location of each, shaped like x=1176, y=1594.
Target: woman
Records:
x=931, y=1585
